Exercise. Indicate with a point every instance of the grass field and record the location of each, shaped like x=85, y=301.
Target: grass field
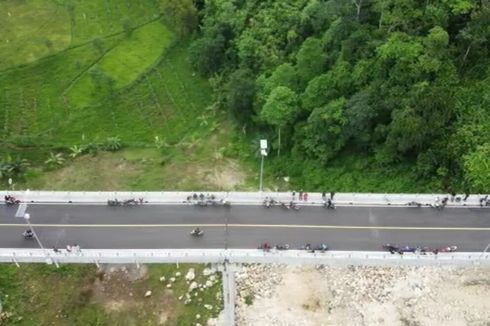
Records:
x=80, y=295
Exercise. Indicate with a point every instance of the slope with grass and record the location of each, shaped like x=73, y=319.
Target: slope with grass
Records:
x=113, y=295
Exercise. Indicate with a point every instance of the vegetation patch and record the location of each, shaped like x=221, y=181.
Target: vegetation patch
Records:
x=112, y=295
x=31, y=30
x=120, y=65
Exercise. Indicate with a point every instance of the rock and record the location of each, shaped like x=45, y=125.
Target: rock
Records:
x=209, y=283
x=198, y=316
x=187, y=301
x=208, y=306
x=197, y=324
x=130, y=294
x=177, y=274
x=181, y=297
x=195, y=294
x=162, y=278
x=212, y=278
x=208, y=271
x=172, y=279
x=169, y=285
x=147, y=294
x=193, y=286
x=191, y=275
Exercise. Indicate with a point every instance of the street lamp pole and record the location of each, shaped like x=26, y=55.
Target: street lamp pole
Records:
x=27, y=217
x=263, y=153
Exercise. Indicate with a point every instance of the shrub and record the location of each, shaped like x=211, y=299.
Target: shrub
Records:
x=112, y=144
x=55, y=160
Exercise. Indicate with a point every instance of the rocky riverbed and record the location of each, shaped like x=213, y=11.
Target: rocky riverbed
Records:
x=282, y=295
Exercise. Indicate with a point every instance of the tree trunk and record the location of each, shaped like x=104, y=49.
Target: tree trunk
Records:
x=467, y=52
x=358, y=4
x=279, y=136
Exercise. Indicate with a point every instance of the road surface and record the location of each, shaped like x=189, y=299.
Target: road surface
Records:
x=168, y=226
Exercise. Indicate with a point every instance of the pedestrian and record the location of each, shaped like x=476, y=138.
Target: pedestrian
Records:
x=305, y=196
x=300, y=195
x=68, y=248
x=453, y=195
x=324, y=196
x=294, y=195
x=76, y=248
x=466, y=195
x=56, y=250
x=141, y=200
x=332, y=193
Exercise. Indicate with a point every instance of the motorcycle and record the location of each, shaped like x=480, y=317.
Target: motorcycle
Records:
x=321, y=247
x=114, y=202
x=130, y=202
x=294, y=206
x=11, y=200
x=445, y=249
x=308, y=248
x=285, y=206
x=197, y=233
x=329, y=204
x=269, y=202
x=414, y=203
x=392, y=248
x=281, y=247
x=28, y=235
x=201, y=203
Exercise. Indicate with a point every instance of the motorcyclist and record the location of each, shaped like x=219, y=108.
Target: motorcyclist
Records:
x=196, y=231
x=28, y=233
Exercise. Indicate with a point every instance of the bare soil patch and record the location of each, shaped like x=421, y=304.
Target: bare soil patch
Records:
x=422, y=296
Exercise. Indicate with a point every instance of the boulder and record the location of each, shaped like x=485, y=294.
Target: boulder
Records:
x=209, y=283
x=177, y=274
x=208, y=271
x=193, y=286
x=191, y=275
x=147, y=294
x=172, y=279
x=208, y=307
x=162, y=278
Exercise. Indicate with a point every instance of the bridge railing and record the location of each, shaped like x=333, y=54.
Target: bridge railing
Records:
x=137, y=256
x=245, y=198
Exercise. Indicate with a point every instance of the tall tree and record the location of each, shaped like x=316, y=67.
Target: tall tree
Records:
x=280, y=109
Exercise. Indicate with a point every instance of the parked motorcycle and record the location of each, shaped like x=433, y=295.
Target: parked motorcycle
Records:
x=414, y=203
x=294, y=206
x=321, y=247
x=445, y=249
x=11, y=200
x=282, y=246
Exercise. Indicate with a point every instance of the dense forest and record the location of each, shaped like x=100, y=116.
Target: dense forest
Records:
x=403, y=81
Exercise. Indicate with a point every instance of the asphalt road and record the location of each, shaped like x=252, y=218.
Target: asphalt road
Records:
x=168, y=226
